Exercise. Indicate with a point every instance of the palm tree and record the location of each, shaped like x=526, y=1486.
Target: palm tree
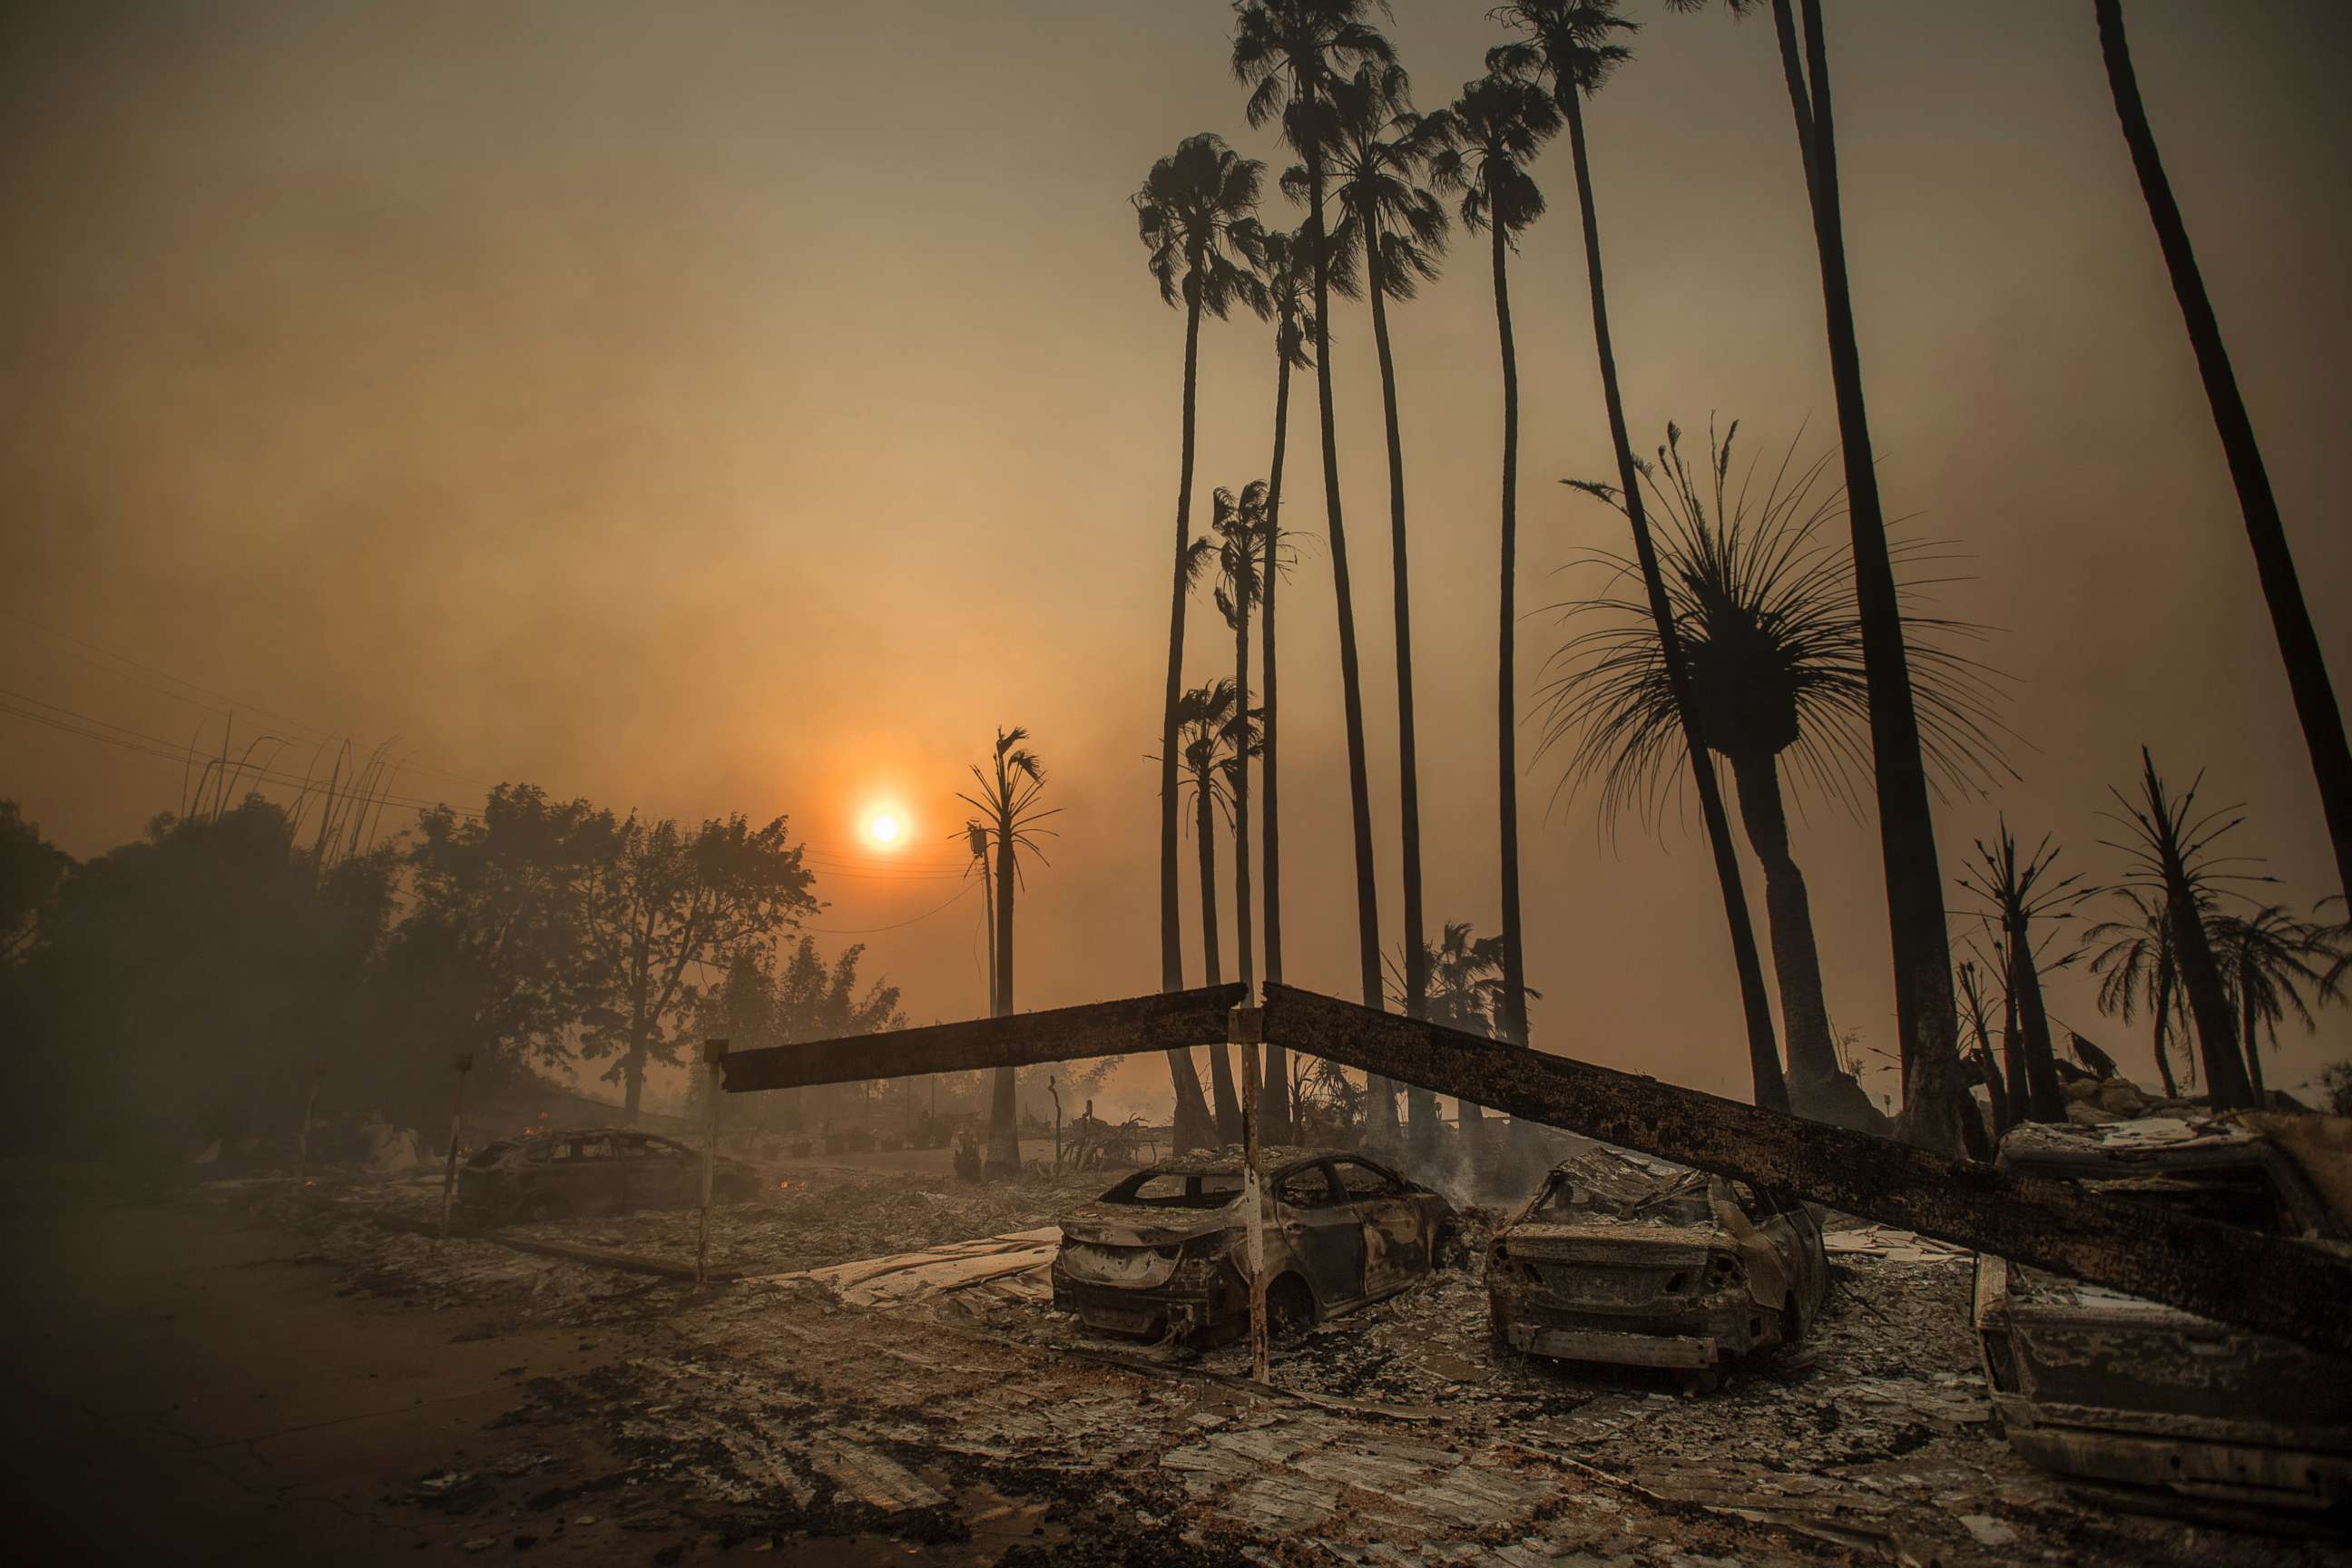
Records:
x=1009, y=789
x=2267, y=959
x=2306, y=665
x=1496, y=128
x=2019, y=892
x=1569, y=45
x=2135, y=967
x=976, y=840
x=1237, y=525
x=2170, y=843
x=1765, y=610
x=1925, y=1017
x=1195, y=214
x=1996, y=1083
x=1288, y=271
x=1212, y=732
x=1293, y=55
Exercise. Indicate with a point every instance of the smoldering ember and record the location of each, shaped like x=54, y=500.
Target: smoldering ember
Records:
x=623, y=940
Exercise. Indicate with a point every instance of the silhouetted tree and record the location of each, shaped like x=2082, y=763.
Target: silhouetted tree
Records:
x=663, y=902
x=2170, y=846
x=1495, y=129
x=1984, y=1051
x=2135, y=967
x=1212, y=732
x=2268, y=958
x=31, y=870
x=1293, y=55
x=2299, y=649
x=1196, y=214
x=1008, y=790
x=756, y=1004
x=1772, y=642
x=1932, y=1098
x=1571, y=46
x=2020, y=891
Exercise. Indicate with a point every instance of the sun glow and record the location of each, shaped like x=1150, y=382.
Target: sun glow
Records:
x=884, y=829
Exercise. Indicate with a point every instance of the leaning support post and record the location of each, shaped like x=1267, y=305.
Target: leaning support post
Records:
x=463, y=1064
x=1247, y=1029
x=2221, y=1271
x=714, y=1052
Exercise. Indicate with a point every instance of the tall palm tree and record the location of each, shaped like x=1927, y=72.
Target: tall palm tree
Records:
x=2172, y=843
x=1196, y=215
x=2267, y=958
x=2019, y=892
x=1765, y=609
x=1571, y=46
x=1009, y=790
x=2135, y=967
x=1496, y=128
x=1211, y=729
x=977, y=839
x=1925, y=1017
x=1996, y=1081
x=2306, y=665
x=1287, y=271
x=1292, y=55
x=1236, y=526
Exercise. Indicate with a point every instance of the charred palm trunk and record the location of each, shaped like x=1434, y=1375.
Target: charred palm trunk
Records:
x=2044, y=1100
x=2250, y=1027
x=2163, y=985
x=1221, y=1064
x=1926, y=1020
x=1172, y=951
x=1763, y=1053
x=1004, y=1118
x=1996, y=1081
x=2012, y=1048
x=2306, y=666
x=1274, y=1099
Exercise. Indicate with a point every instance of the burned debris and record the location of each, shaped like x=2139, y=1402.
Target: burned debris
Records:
x=590, y=1170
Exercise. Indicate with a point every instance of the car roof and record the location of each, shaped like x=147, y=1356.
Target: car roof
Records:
x=2139, y=1144
x=1229, y=1160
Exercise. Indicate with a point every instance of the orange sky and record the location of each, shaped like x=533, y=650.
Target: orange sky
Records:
x=733, y=406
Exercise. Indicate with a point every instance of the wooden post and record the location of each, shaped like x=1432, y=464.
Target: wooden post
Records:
x=302, y=1147
x=713, y=1051
x=464, y=1064
x=1247, y=1028
x=1057, y=1093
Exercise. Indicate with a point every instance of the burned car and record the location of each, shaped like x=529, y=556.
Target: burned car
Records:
x=1164, y=1254
x=595, y=1170
x=2110, y=1388
x=1638, y=1263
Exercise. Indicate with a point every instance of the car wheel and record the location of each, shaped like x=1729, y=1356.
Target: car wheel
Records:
x=539, y=1207
x=1289, y=1309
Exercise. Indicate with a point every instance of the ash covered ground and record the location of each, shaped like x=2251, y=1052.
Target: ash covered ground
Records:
x=935, y=1404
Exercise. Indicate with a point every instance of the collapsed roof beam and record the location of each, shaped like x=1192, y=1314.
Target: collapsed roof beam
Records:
x=2235, y=1274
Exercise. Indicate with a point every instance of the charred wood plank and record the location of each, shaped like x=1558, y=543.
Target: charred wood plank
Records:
x=2220, y=1271
x=1169, y=1020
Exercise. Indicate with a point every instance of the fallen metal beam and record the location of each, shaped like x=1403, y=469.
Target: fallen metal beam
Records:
x=1172, y=1020
x=2218, y=1271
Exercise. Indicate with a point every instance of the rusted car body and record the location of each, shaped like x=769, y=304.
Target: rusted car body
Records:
x=2112, y=1388
x=1164, y=1253
x=592, y=1170
x=1634, y=1263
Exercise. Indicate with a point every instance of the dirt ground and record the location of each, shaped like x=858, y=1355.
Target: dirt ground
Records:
x=276, y=1376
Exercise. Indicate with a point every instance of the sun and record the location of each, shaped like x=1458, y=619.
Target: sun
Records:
x=885, y=828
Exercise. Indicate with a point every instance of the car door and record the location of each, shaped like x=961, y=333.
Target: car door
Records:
x=1396, y=1243
x=593, y=1175
x=1810, y=1262
x=645, y=1181
x=1323, y=1232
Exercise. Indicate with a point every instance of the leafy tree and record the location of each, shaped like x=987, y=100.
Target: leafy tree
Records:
x=2171, y=844
x=1571, y=46
x=1772, y=640
x=1494, y=130
x=2268, y=959
x=665, y=901
x=31, y=870
x=1009, y=792
x=757, y=1005
x=1293, y=56
x=1196, y=215
x=2299, y=649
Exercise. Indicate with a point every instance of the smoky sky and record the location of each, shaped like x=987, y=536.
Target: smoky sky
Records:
x=707, y=407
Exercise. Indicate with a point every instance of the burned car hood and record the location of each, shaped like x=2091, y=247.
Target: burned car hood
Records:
x=1677, y=1244
x=1139, y=1225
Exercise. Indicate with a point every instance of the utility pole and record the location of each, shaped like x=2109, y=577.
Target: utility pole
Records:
x=464, y=1064
x=713, y=1053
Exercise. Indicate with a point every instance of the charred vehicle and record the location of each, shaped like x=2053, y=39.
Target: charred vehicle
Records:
x=597, y=1170
x=1165, y=1252
x=2115, y=1389
x=1640, y=1264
